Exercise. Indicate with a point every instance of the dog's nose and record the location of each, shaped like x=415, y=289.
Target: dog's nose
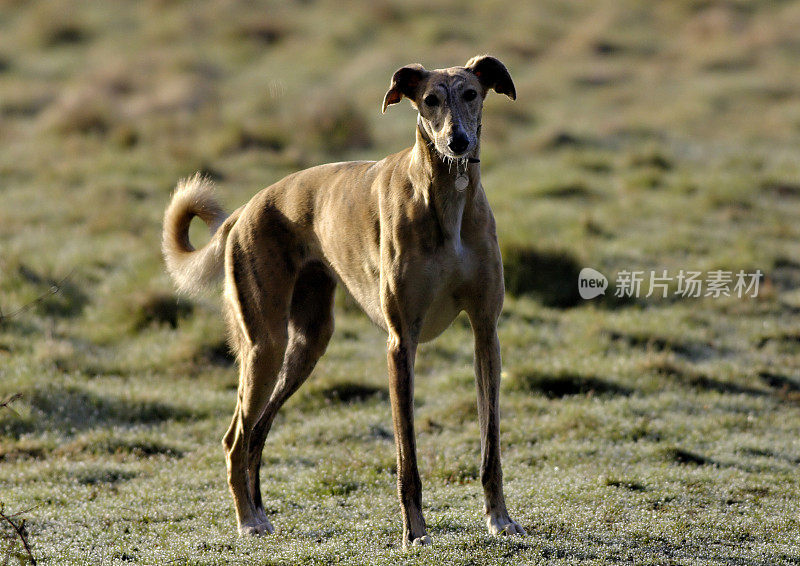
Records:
x=459, y=143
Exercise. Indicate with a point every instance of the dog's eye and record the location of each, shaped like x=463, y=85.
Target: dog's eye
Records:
x=470, y=95
x=431, y=100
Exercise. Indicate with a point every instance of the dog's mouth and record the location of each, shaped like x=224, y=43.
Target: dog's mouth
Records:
x=449, y=155
x=441, y=144
x=457, y=163
x=454, y=162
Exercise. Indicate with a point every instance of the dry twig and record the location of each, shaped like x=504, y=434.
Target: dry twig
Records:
x=19, y=530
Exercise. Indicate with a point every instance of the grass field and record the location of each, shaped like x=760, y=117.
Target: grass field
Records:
x=646, y=136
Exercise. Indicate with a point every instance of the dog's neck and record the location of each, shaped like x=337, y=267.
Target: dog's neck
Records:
x=446, y=185
x=440, y=169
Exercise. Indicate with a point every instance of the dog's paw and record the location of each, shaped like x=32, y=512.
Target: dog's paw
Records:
x=424, y=540
x=502, y=524
x=262, y=528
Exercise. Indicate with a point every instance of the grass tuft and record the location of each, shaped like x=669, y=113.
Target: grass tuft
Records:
x=652, y=159
x=158, y=308
x=259, y=140
x=265, y=31
x=24, y=449
x=564, y=139
x=577, y=190
x=81, y=114
x=630, y=485
x=95, y=475
x=687, y=457
x=458, y=474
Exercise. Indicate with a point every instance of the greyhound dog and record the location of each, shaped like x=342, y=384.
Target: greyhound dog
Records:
x=413, y=240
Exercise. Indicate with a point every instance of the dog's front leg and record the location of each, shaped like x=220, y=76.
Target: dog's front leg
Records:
x=487, y=375
x=401, y=354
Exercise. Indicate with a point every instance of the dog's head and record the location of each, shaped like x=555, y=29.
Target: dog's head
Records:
x=450, y=101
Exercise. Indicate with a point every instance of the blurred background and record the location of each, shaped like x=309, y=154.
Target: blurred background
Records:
x=645, y=136
x=643, y=132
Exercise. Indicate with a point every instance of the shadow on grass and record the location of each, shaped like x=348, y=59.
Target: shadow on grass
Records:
x=781, y=386
x=779, y=381
x=693, y=351
x=65, y=299
x=784, y=387
x=115, y=446
x=577, y=191
x=561, y=139
x=760, y=452
x=784, y=189
x=266, y=32
x=701, y=381
x=216, y=354
x=74, y=409
x=555, y=386
x=785, y=274
x=689, y=377
x=345, y=392
x=65, y=33
x=684, y=457
x=101, y=475
x=549, y=275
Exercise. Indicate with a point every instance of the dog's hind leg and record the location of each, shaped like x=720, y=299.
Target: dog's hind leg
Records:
x=310, y=329
x=258, y=317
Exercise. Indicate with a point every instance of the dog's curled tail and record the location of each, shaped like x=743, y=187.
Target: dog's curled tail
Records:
x=195, y=270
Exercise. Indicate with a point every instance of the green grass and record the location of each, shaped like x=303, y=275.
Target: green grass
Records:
x=646, y=136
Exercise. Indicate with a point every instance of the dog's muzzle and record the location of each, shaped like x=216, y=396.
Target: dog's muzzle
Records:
x=459, y=143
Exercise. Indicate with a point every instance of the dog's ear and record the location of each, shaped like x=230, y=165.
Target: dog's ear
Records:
x=492, y=74
x=404, y=83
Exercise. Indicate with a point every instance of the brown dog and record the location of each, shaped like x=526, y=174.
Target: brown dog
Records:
x=413, y=240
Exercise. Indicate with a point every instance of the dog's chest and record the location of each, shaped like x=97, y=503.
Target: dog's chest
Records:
x=441, y=312
x=450, y=213
x=450, y=270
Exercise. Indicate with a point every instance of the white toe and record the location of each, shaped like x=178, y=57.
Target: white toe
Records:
x=422, y=541
x=503, y=525
x=264, y=528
